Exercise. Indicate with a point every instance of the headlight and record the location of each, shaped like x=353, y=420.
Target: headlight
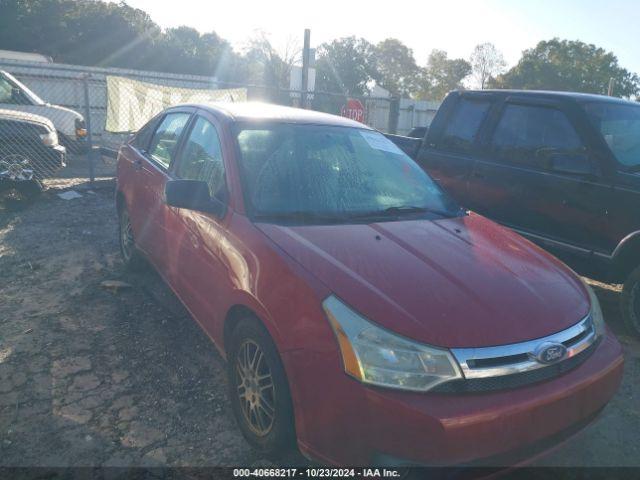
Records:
x=596, y=311
x=376, y=356
x=49, y=139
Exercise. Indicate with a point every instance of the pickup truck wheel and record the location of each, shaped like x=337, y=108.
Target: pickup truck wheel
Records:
x=258, y=389
x=131, y=256
x=630, y=301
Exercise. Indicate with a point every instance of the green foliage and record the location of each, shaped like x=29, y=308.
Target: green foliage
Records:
x=345, y=65
x=82, y=32
x=441, y=75
x=394, y=67
x=87, y=32
x=569, y=66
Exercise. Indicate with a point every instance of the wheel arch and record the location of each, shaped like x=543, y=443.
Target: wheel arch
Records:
x=234, y=314
x=626, y=257
x=120, y=201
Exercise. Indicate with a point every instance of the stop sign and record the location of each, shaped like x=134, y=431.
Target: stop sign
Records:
x=353, y=110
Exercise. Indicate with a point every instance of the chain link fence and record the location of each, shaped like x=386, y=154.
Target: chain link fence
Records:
x=52, y=115
x=37, y=135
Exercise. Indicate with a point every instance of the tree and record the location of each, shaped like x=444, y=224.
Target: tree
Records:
x=569, y=66
x=265, y=65
x=486, y=62
x=83, y=32
x=90, y=32
x=394, y=67
x=344, y=65
x=441, y=75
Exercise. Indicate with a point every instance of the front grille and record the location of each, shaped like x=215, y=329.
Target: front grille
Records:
x=506, y=382
x=515, y=365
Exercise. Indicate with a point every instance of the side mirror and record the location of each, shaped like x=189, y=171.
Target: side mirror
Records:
x=192, y=195
x=572, y=164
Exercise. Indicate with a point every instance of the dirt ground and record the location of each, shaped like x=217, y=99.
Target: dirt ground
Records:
x=95, y=377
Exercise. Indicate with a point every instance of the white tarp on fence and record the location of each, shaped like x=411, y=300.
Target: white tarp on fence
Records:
x=131, y=103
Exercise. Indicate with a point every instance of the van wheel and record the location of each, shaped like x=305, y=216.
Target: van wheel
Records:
x=630, y=301
x=133, y=259
x=258, y=389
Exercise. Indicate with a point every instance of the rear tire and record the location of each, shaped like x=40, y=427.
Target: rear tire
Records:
x=131, y=256
x=630, y=301
x=258, y=389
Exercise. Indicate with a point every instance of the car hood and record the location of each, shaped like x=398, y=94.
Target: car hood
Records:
x=16, y=115
x=458, y=282
x=65, y=111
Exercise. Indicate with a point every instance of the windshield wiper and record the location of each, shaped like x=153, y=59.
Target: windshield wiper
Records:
x=299, y=216
x=405, y=209
x=396, y=211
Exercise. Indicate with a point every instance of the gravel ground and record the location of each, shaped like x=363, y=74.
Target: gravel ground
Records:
x=90, y=376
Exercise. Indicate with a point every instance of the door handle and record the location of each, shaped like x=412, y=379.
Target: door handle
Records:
x=137, y=165
x=478, y=175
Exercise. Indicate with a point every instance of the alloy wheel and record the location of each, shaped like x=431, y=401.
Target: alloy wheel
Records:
x=126, y=237
x=255, y=388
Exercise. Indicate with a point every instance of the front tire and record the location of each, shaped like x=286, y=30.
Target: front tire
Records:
x=630, y=301
x=258, y=389
x=30, y=189
x=131, y=256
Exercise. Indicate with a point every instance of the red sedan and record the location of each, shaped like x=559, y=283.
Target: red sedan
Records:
x=362, y=313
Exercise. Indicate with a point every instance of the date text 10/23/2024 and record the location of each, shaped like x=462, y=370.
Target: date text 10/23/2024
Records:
x=316, y=473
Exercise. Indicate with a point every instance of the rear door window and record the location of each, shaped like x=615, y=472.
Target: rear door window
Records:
x=464, y=124
x=528, y=135
x=165, y=140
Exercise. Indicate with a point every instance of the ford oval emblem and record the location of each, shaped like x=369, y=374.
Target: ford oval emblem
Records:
x=550, y=352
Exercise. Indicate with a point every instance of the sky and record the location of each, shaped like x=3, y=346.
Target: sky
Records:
x=453, y=26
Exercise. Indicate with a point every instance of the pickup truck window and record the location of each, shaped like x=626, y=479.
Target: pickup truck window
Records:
x=463, y=125
x=527, y=135
x=620, y=127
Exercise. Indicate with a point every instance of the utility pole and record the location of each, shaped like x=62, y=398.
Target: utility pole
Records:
x=305, y=67
x=87, y=121
x=612, y=84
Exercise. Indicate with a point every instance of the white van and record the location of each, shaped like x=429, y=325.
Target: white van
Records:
x=70, y=125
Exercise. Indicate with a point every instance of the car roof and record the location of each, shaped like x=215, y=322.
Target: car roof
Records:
x=573, y=96
x=267, y=112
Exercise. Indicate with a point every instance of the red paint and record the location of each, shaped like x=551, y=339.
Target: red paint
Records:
x=354, y=110
x=456, y=282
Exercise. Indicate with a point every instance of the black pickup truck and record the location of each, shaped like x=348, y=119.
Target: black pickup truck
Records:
x=562, y=169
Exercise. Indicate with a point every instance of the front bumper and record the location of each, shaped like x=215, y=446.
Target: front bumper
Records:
x=341, y=421
x=49, y=161
x=38, y=162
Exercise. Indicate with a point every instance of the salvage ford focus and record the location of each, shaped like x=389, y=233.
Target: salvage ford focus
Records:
x=362, y=313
